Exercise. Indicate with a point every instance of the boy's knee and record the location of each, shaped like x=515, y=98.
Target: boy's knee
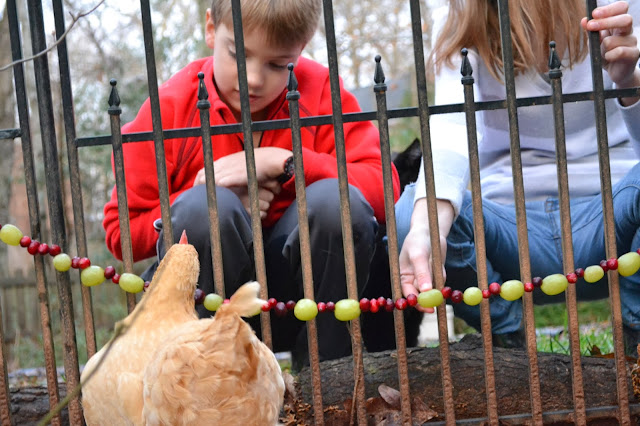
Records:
x=324, y=208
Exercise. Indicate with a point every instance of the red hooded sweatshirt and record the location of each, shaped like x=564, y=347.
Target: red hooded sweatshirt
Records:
x=184, y=158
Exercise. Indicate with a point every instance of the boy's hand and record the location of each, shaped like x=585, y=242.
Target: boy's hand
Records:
x=265, y=197
x=618, y=45
x=231, y=171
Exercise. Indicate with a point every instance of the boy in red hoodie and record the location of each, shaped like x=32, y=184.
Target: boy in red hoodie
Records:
x=275, y=33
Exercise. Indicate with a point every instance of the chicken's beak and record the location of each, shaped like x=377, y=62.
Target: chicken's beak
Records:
x=183, y=238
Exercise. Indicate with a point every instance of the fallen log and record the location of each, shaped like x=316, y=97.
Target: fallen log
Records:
x=30, y=404
x=469, y=392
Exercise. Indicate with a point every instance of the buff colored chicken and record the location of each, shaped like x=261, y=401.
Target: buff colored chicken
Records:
x=215, y=371
x=114, y=395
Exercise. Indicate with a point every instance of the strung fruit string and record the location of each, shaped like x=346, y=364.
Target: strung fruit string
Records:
x=345, y=309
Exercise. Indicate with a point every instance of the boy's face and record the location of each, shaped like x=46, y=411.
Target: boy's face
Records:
x=266, y=68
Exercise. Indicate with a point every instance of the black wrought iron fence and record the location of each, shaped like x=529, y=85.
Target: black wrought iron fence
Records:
x=622, y=412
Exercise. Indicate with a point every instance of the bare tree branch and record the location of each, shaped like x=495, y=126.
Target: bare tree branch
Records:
x=74, y=19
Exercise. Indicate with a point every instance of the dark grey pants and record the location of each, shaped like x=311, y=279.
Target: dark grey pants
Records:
x=282, y=256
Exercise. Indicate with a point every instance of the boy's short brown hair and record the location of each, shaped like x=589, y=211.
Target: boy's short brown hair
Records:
x=286, y=22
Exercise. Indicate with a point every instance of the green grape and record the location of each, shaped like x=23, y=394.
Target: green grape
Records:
x=512, y=290
x=554, y=284
x=212, y=302
x=472, y=296
x=11, y=235
x=593, y=273
x=131, y=283
x=306, y=309
x=430, y=298
x=347, y=309
x=62, y=262
x=628, y=264
x=93, y=275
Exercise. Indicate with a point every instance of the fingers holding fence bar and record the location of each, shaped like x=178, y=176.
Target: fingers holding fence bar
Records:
x=607, y=214
x=380, y=89
x=521, y=215
x=121, y=186
x=434, y=230
x=305, y=241
x=555, y=75
x=479, y=238
x=210, y=179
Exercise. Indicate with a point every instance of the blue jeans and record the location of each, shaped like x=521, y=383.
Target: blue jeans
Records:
x=545, y=248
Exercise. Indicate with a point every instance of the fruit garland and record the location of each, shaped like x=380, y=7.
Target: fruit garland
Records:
x=344, y=310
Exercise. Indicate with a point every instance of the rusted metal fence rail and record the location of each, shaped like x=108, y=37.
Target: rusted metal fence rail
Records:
x=579, y=415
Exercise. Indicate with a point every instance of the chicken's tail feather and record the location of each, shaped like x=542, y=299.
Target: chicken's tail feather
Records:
x=245, y=301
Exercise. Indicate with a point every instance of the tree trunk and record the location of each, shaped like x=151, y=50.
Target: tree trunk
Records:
x=30, y=404
x=469, y=393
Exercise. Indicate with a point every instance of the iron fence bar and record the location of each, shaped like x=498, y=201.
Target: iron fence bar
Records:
x=10, y=134
x=5, y=395
x=252, y=182
x=345, y=210
x=607, y=215
x=210, y=181
x=380, y=89
x=34, y=209
x=74, y=172
x=121, y=187
x=293, y=97
x=351, y=117
x=55, y=204
x=479, y=237
x=156, y=119
x=555, y=75
x=432, y=209
x=521, y=214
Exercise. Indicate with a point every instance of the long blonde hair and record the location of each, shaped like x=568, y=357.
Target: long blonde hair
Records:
x=534, y=23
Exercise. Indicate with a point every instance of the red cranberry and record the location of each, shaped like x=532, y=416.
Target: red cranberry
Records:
x=226, y=301
x=612, y=264
x=198, y=296
x=146, y=285
x=373, y=306
x=54, y=250
x=280, y=309
x=456, y=296
x=272, y=302
x=382, y=301
x=364, y=304
x=331, y=306
x=537, y=282
x=486, y=293
x=25, y=241
x=109, y=272
x=322, y=306
x=494, y=288
x=528, y=287
x=638, y=251
x=389, y=305
x=580, y=272
x=401, y=304
x=33, y=247
x=572, y=278
x=603, y=265
x=412, y=299
x=446, y=292
x=115, y=278
x=84, y=263
x=74, y=262
x=266, y=307
x=43, y=249
x=290, y=305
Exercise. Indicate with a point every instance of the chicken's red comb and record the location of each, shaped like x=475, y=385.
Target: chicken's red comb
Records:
x=183, y=238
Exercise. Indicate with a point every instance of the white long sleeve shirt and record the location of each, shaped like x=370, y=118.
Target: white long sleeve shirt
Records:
x=537, y=135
